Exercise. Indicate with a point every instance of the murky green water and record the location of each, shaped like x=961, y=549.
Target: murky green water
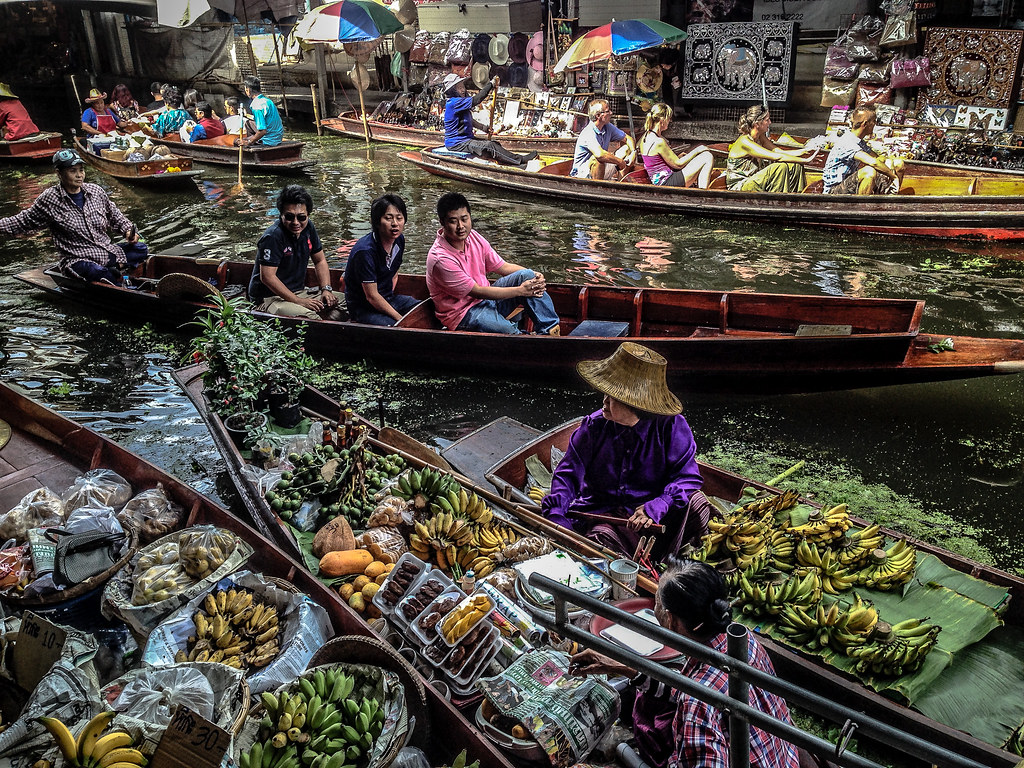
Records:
x=928, y=441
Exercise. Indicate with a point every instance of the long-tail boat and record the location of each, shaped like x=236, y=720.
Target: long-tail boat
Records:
x=951, y=208
x=31, y=149
x=46, y=449
x=285, y=157
x=155, y=172
x=509, y=475
x=723, y=339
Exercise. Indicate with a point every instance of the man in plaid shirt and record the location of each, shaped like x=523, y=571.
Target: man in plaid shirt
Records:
x=79, y=216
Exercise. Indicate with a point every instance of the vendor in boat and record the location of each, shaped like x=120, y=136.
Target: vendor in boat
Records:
x=79, y=216
x=371, y=273
x=169, y=121
x=665, y=167
x=205, y=126
x=122, y=103
x=757, y=164
x=853, y=168
x=692, y=600
x=464, y=299
x=278, y=282
x=234, y=122
x=634, y=460
x=15, y=123
x=458, y=123
x=602, y=149
x=266, y=121
x=98, y=118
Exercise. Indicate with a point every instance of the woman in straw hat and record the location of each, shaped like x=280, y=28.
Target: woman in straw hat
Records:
x=98, y=118
x=635, y=459
x=14, y=120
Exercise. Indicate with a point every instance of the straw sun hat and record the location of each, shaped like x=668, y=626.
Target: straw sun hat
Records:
x=634, y=375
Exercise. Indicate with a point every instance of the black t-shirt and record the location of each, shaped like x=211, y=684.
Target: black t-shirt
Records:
x=367, y=263
x=154, y=105
x=277, y=248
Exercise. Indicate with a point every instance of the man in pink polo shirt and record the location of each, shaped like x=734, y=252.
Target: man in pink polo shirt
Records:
x=457, y=267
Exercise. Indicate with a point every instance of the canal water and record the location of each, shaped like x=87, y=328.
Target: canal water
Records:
x=953, y=449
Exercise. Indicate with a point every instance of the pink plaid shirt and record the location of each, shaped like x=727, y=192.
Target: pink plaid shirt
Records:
x=80, y=234
x=698, y=728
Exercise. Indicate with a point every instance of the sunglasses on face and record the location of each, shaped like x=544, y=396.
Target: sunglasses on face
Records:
x=300, y=217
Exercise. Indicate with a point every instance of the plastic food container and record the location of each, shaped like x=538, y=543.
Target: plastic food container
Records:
x=486, y=604
x=428, y=636
x=418, y=569
x=477, y=659
x=431, y=585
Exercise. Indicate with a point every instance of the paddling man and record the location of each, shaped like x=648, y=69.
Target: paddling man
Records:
x=79, y=216
x=851, y=166
x=269, y=130
x=593, y=157
x=459, y=124
x=14, y=120
x=278, y=282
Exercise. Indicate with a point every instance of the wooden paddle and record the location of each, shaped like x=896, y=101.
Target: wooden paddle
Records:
x=490, y=123
x=241, y=148
x=622, y=522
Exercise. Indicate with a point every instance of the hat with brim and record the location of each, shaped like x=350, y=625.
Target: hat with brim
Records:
x=648, y=77
x=478, y=51
x=95, y=95
x=451, y=80
x=407, y=13
x=517, y=47
x=497, y=49
x=404, y=38
x=6, y=92
x=179, y=286
x=535, y=51
x=634, y=375
x=535, y=80
x=480, y=74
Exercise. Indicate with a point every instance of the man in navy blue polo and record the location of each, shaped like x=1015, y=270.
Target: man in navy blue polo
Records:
x=458, y=123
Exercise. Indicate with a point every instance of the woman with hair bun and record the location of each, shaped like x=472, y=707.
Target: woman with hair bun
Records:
x=692, y=601
x=665, y=167
x=757, y=164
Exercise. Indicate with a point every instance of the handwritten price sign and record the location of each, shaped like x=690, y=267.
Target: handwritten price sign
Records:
x=39, y=645
x=190, y=741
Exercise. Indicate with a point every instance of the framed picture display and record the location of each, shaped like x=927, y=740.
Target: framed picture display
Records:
x=597, y=80
x=579, y=104
x=582, y=79
x=620, y=82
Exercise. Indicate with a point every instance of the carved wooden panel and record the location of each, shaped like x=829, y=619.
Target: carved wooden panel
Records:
x=973, y=66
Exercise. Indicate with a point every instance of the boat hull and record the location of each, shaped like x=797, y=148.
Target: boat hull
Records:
x=30, y=149
x=286, y=157
x=152, y=173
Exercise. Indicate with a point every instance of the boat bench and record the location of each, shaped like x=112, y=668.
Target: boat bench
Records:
x=603, y=328
x=451, y=153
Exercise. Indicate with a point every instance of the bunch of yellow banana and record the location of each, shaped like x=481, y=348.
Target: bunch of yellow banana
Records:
x=888, y=569
x=459, y=621
x=772, y=503
x=234, y=629
x=92, y=748
x=823, y=526
x=834, y=578
x=854, y=547
x=284, y=718
x=537, y=494
x=896, y=650
x=442, y=536
x=460, y=503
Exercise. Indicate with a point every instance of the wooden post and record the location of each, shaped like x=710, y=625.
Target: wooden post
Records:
x=490, y=123
x=362, y=110
x=321, y=75
x=316, y=111
x=280, y=69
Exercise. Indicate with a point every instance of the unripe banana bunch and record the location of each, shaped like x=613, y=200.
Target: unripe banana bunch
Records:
x=889, y=569
x=422, y=486
x=235, y=629
x=770, y=599
x=772, y=503
x=823, y=526
x=854, y=547
x=92, y=748
x=896, y=650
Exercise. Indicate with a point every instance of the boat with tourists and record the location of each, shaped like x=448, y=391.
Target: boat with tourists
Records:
x=31, y=149
x=285, y=157
x=727, y=340
x=934, y=206
x=940, y=701
x=158, y=171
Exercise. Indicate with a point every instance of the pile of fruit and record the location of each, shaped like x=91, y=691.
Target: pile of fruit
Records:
x=166, y=569
x=464, y=617
x=92, y=748
x=235, y=628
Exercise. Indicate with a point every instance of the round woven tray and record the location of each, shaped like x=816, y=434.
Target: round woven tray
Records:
x=178, y=285
x=244, y=696
x=363, y=649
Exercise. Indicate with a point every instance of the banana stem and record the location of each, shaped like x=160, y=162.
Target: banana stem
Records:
x=791, y=471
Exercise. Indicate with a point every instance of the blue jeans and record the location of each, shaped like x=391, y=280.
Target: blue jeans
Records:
x=135, y=253
x=489, y=315
x=399, y=301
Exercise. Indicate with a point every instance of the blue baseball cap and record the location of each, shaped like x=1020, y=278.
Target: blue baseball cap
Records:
x=66, y=158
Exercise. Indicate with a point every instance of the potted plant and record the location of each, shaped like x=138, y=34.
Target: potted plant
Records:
x=283, y=391
x=245, y=427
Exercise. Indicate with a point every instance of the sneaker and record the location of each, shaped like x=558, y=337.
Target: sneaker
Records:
x=554, y=330
x=524, y=159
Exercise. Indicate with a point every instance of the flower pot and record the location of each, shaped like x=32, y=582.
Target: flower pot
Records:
x=239, y=424
x=285, y=415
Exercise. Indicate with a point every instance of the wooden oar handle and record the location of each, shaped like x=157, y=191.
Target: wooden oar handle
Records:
x=622, y=522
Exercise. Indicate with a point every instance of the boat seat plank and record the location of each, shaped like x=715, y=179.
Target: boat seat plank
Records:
x=474, y=454
x=420, y=316
x=560, y=168
x=639, y=176
x=603, y=328
x=451, y=153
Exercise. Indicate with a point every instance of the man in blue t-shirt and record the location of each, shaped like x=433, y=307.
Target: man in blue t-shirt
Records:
x=458, y=123
x=278, y=282
x=853, y=169
x=593, y=158
x=265, y=117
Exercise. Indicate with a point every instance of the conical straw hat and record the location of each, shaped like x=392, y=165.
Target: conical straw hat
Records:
x=634, y=375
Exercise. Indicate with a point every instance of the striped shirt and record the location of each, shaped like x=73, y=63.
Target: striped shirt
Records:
x=78, y=233
x=699, y=729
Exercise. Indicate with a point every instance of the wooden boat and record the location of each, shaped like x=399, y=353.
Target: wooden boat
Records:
x=286, y=157
x=30, y=149
x=722, y=339
x=152, y=172
x=509, y=476
x=927, y=206
x=350, y=125
x=47, y=449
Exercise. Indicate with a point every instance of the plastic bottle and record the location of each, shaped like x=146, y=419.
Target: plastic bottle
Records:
x=468, y=582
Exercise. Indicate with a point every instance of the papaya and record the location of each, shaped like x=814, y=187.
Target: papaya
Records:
x=360, y=582
x=336, y=536
x=345, y=563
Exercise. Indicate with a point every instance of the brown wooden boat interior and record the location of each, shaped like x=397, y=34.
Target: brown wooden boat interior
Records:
x=37, y=147
x=156, y=166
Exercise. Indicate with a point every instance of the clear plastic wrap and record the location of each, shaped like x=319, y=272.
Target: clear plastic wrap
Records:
x=97, y=487
x=163, y=554
x=41, y=508
x=838, y=93
x=152, y=696
x=159, y=583
x=863, y=40
x=838, y=64
x=152, y=513
x=911, y=73
x=15, y=567
x=900, y=29
x=868, y=94
x=93, y=517
x=201, y=550
x=503, y=580
x=875, y=72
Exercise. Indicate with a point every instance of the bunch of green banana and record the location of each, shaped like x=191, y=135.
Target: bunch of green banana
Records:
x=855, y=626
x=770, y=502
x=460, y=762
x=422, y=486
x=854, y=547
x=834, y=578
x=780, y=550
x=820, y=628
x=888, y=569
x=458, y=502
x=770, y=598
x=823, y=526
x=896, y=650
x=92, y=748
x=285, y=715
x=234, y=629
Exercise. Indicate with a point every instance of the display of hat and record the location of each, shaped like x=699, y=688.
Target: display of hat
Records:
x=497, y=49
x=535, y=51
x=66, y=158
x=361, y=50
x=360, y=76
x=648, y=77
x=451, y=80
x=95, y=95
x=634, y=375
x=517, y=75
x=479, y=49
x=404, y=38
x=406, y=12
x=481, y=73
x=178, y=285
x=535, y=80
x=517, y=47
x=500, y=71
x=5, y=91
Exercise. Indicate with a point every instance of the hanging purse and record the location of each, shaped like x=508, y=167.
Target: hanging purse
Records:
x=81, y=556
x=911, y=73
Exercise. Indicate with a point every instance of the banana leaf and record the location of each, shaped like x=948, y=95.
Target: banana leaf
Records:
x=540, y=473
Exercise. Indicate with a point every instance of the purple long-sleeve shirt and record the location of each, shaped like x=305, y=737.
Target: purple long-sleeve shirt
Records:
x=612, y=469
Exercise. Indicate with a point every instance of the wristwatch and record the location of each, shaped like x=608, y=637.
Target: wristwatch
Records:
x=326, y=288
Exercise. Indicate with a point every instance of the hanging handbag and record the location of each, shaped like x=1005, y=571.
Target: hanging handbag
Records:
x=911, y=73
x=838, y=65
x=81, y=556
x=864, y=38
x=420, y=48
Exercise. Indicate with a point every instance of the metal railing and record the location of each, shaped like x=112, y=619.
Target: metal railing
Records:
x=741, y=675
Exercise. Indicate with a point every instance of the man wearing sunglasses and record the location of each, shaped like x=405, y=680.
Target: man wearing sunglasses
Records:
x=278, y=283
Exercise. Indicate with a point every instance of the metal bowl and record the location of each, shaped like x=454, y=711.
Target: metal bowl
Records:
x=523, y=749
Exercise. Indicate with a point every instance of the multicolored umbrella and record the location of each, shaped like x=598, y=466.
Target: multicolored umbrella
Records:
x=619, y=38
x=347, y=21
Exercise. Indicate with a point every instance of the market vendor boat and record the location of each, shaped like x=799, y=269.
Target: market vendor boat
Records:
x=951, y=208
x=35, y=148
x=44, y=449
x=285, y=157
x=158, y=171
x=949, y=710
x=722, y=339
